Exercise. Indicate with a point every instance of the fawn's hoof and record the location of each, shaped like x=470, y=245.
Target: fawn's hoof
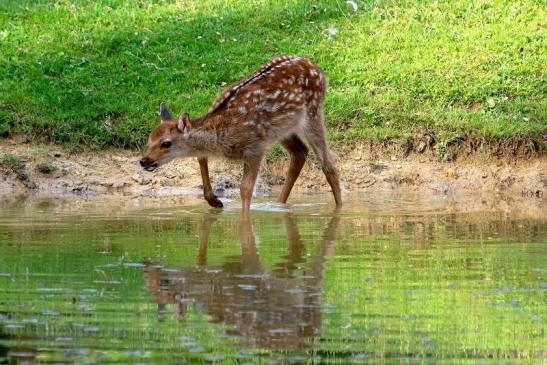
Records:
x=215, y=203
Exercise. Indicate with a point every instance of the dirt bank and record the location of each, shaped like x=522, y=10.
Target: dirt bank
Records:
x=48, y=169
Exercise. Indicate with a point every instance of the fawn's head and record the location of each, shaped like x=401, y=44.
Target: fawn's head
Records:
x=167, y=141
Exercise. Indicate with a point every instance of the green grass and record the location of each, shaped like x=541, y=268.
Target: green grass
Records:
x=94, y=72
x=46, y=168
x=11, y=161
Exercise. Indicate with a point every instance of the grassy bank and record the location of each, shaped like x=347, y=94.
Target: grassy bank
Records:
x=94, y=72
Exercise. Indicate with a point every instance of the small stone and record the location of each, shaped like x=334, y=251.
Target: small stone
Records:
x=352, y=5
x=228, y=184
x=119, y=185
x=421, y=147
x=141, y=180
x=393, y=158
x=167, y=183
x=398, y=166
x=450, y=173
x=277, y=180
x=79, y=190
x=484, y=176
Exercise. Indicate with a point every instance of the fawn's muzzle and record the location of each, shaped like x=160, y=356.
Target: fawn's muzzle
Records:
x=148, y=164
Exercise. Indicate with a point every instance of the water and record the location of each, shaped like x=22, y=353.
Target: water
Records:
x=395, y=279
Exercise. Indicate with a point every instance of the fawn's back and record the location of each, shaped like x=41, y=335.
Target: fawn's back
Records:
x=271, y=104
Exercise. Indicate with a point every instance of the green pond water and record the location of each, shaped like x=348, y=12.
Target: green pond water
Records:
x=394, y=279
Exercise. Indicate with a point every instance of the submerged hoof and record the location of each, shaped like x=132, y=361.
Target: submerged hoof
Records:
x=215, y=203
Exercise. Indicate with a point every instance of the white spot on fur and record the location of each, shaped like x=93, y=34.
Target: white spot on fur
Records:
x=242, y=110
x=277, y=118
x=269, y=108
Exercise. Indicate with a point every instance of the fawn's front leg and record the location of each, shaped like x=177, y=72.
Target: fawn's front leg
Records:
x=251, y=164
x=207, y=189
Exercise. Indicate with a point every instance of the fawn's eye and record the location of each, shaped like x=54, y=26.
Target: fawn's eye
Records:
x=166, y=144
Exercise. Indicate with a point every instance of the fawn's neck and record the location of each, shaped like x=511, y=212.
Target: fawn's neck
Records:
x=204, y=138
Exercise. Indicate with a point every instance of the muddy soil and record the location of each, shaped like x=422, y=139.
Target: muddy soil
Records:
x=52, y=170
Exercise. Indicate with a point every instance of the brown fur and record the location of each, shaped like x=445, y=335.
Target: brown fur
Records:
x=278, y=102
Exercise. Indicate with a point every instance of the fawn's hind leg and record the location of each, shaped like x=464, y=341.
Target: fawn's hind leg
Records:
x=315, y=134
x=298, y=152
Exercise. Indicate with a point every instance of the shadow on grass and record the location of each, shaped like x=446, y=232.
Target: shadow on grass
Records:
x=96, y=74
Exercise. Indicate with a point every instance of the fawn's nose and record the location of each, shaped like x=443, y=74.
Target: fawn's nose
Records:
x=145, y=162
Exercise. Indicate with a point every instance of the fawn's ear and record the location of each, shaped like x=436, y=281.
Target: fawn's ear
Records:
x=165, y=115
x=183, y=124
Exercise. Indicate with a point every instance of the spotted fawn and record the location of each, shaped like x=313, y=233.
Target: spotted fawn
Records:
x=282, y=101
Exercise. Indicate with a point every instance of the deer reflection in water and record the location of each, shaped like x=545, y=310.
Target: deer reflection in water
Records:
x=278, y=309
